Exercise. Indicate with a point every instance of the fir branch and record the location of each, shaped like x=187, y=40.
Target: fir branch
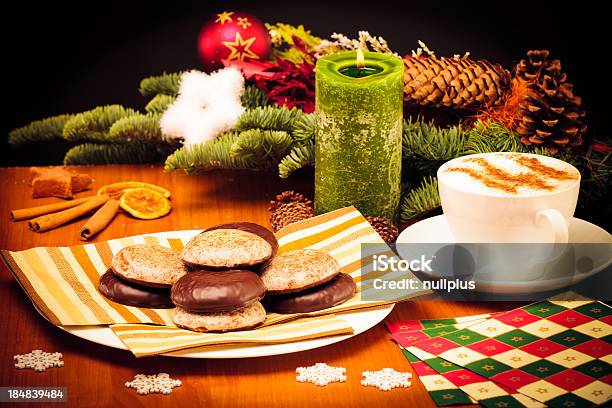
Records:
x=94, y=125
x=269, y=117
x=420, y=200
x=38, y=131
x=493, y=137
x=301, y=155
x=89, y=153
x=426, y=146
x=159, y=103
x=214, y=154
x=304, y=128
x=264, y=147
x=167, y=84
x=140, y=127
x=253, y=97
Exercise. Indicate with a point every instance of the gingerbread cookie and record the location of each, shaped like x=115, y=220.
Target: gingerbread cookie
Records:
x=298, y=270
x=130, y=294
x=217, y=291
x=241, y=319
x=149, y=265
x=230, y=246
x=332, y=293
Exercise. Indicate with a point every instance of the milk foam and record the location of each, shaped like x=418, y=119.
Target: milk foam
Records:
x=469, y=174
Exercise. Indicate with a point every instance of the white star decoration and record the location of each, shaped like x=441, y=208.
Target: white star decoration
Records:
x=320, y=374
x=206, y=106
x=38, y=360
x=386, y=379
x=157, y=383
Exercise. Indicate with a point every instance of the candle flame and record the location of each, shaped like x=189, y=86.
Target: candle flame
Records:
x=360, y=58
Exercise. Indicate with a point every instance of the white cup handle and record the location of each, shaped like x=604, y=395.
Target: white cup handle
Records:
x=557, y=222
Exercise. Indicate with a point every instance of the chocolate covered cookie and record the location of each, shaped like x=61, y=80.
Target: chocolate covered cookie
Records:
x=298, y=270
x=241, y=319
x=130, y=294
x=230, y=246
x=332, y=293
x=149, y=265
x=217, y=291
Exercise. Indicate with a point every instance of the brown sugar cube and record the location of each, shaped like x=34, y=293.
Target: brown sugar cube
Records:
x=52, y=184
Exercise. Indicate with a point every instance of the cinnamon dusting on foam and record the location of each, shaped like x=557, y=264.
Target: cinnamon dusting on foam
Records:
x=534, y=164
x=484, y=179
x=500, y=179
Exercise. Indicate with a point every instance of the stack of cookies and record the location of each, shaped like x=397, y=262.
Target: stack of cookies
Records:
x=219, y=281
x=142, y=275
x=224, y=293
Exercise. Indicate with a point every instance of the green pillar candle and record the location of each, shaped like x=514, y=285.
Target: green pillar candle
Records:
x=358, y=149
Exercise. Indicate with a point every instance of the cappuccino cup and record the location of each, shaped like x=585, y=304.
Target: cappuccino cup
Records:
x=497, y=199
x=508, y=198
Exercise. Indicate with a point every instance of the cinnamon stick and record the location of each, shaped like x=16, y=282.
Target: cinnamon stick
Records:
x=50, y=221
x=100, y=219
x=27, y=213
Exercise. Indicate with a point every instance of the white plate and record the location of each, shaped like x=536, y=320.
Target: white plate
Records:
x=436, y=230
x=360, y=320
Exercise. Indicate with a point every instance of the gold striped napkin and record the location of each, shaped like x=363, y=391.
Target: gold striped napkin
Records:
x=147, y=340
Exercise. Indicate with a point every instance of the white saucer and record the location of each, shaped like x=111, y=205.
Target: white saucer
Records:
x=436, y=230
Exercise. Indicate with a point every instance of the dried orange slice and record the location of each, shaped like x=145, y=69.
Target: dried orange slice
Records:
x=115, y=190
x=144, y=203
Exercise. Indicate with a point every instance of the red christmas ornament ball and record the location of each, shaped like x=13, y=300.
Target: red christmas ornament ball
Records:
x=233, y=35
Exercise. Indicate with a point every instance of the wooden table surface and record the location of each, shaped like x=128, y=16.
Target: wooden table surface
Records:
x=95, y=375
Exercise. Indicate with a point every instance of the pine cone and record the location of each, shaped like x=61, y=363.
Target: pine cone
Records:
x=289, y=207
x=387, y=231
x=288, y=213
x=459, y=83
x=549, y=112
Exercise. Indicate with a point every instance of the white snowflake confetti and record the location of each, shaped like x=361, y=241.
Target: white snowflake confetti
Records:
x=157, y=383
x=38, y=360
x=320, y=374
x=386, y=379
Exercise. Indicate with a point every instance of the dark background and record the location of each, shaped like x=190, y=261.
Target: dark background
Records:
x=69, y=58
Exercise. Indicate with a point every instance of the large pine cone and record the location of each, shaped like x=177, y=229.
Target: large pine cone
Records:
x=459, y=83
x=550, y=113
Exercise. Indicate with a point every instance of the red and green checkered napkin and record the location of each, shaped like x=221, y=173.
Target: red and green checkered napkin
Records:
x=445, y=384
x=558, y=352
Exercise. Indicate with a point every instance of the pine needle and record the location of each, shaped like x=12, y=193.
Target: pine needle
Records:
x=253, y=97
x=94, y=125
x=38, y=131
x=167, y=84
x=214, y=154
x=269, y=117
x=264, y=147
x=426, y=146
x=301, y=155
x=159, y=103
x=420, y=200
x=139, y=127
x=304, y=128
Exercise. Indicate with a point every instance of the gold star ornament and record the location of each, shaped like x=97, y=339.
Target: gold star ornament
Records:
x=243, y=22
x=240, y=48
x=224, y=17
